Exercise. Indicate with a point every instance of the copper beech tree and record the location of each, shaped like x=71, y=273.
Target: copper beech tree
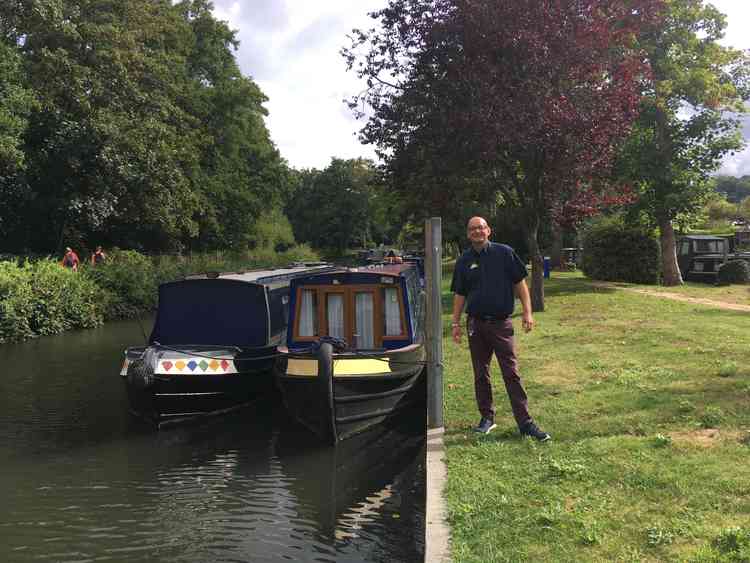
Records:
x=520, y=102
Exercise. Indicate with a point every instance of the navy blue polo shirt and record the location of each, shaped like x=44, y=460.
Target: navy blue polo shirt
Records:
x=486, y=279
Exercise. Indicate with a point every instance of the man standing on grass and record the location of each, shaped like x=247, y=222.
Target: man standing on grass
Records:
x=487, y=278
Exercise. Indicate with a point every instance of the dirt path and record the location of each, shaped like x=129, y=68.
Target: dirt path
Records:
x=678, y=297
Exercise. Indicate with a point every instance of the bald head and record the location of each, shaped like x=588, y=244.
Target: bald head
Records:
x=478, y=232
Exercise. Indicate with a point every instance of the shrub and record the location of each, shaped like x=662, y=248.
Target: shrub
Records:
x=615, y=252
x=61, y=299
x=127, y=281
x=734, y=271
x=16, y=303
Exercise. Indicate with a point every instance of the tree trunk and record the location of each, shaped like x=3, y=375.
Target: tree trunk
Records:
x=670, y=270
x=531, y=230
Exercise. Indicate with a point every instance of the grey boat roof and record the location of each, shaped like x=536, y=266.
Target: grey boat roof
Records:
x=267, y=276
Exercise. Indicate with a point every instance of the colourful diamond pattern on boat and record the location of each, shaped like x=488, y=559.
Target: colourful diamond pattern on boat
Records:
x=196, y=366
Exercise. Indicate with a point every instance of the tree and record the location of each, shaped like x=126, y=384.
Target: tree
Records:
x=16, y=102
x=242, y=175
x=145, y=133
x=520, y=101
x=332, y=208
x=684, y=129
x=716, y=214
x=735, y=189
x=743, y=209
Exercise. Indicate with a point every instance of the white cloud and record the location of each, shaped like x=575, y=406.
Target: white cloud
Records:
x=291, y=49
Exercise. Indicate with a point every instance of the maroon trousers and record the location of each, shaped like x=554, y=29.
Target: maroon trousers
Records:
x=486, y=337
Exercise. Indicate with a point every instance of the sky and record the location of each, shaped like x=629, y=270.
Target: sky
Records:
x=290, y=48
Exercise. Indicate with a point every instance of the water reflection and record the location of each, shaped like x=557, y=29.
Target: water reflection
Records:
x=83, y=481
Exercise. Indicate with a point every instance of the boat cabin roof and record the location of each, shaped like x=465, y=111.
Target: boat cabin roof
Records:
x=379, y=269
x=241, y=309
x=267, y=276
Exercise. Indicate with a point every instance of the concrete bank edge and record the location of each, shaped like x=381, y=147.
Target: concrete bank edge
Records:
x=437, y=531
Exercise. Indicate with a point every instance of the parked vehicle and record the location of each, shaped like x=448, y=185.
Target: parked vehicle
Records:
x=212, y=346
x=700, y=256
x=355, y=348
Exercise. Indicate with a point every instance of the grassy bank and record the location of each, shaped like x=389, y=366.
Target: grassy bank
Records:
x=39, y=297
x=648, y=402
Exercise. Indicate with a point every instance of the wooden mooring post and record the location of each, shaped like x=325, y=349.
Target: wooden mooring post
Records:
x=434, y=320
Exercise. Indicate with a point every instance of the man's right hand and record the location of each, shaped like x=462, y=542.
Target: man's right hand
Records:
x=456, y=331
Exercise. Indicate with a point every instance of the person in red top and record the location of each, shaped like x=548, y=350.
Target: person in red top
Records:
x=70, y=260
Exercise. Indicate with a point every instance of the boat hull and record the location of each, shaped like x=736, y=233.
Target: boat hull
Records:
x=337, y=396
x=165, y=399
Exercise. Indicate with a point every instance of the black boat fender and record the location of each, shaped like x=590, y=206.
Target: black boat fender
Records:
x=141, y=371
x=325, y=379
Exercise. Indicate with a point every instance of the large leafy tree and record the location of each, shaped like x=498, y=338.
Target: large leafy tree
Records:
x=501, y=103
x=16, y=101
x=242, y=174
x=145, y=133
x=109, y=146
x=688, y=119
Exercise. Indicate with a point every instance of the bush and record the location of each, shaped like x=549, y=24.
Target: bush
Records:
x=62, y=299
x=615, y=252
x=16, y=303
x=734, y=271
x=127, y=282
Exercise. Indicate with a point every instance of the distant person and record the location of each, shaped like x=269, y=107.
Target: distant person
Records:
x=70, y=260
x=486, y=279
x=98, y=257
x=393, y=258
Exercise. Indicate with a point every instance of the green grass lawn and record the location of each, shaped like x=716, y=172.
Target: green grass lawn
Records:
x=648, y=404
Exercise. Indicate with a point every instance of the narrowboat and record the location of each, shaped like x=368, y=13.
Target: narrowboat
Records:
x=212, y=346
x=354, y=353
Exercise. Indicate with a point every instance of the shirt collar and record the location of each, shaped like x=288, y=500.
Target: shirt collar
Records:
x=482, y=250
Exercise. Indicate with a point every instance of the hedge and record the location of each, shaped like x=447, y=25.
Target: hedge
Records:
x=615, y=252
x=734, y=271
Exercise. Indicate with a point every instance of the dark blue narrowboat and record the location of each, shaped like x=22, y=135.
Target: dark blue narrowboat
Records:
x=213, y=343
x=354, y=353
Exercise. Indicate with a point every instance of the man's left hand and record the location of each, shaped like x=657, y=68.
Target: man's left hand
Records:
x=527, y=321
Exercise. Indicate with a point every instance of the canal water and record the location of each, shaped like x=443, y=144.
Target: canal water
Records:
x=82, y=480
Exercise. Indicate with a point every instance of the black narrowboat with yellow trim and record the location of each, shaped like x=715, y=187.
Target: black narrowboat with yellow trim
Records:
x=213, y=344
x=355, y=348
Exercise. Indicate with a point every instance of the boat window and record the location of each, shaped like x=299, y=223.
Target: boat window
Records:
x=391, y=312
x=308, y=313
x=363, y=315
x=335, y=314
x=364, y=320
